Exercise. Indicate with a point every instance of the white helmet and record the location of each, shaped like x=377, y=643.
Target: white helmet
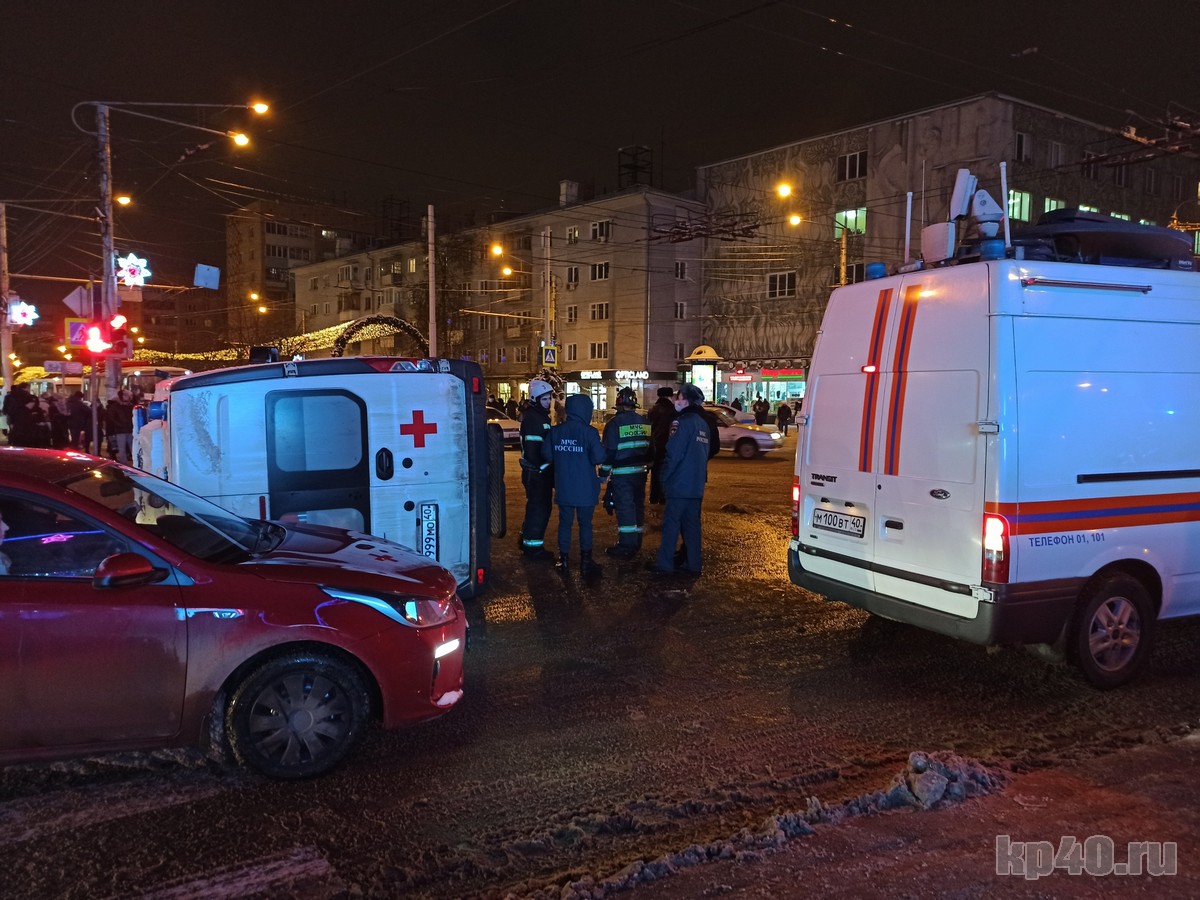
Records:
x=537, y=388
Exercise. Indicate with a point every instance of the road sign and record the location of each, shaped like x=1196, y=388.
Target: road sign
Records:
x=63, y=367
x=75, y=332
x=550, y=357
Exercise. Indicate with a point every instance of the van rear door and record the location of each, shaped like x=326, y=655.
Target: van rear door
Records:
x=931, y=466
x=891, y=461
x=840, y=441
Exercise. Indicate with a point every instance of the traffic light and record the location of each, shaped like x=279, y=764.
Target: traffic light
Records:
x=97, y=340
x=122, y=343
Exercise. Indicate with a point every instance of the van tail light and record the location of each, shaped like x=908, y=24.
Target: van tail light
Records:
x=796, y=506
x=476, y=385
x=995, y=549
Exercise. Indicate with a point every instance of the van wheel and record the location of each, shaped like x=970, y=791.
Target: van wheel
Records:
x=298, y=716
x=497, y=514
x=1110, y=635
x=746, y=449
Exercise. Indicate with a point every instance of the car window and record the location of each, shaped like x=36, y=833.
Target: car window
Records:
x=38, y=540
x=182, y=519
x=723, y=418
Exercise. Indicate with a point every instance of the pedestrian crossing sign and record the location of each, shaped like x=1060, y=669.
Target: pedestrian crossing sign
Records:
x=550, y=357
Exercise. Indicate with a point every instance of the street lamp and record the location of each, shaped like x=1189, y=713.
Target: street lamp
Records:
x=108, y=282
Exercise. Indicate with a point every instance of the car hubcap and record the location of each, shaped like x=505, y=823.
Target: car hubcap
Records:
x=1114, y=634
x=298, y=718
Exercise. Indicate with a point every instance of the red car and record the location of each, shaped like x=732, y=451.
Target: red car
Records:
x=135, y=615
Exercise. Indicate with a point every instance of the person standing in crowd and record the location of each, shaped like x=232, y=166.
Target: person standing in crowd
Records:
x=118, y=422
x=760, y=409
x=684, y=474
x=575, y=449
x=783, y=416
x=79, y=421
x=18, y=404
x=537, y=476
x=627, y=459
x=736, y=403
x=510, y=408
x=659, y=418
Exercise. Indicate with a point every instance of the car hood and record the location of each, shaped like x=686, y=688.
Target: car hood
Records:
x=353, y=560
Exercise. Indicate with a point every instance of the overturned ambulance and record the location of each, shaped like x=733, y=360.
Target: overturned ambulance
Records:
x=389, y=446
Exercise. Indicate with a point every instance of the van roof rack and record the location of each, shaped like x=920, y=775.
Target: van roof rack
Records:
x=1074, y=235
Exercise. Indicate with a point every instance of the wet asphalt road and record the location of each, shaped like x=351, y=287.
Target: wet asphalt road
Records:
x=601, y=725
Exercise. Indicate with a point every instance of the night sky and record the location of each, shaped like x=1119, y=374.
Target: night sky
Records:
x=482, y=107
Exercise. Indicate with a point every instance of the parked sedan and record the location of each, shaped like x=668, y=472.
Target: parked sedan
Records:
x=747, y=441
x=135, y=615
x=742, y=417
x=510, y=427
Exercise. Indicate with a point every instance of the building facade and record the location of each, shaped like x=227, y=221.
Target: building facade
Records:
x=596, y=292
x=773, y=259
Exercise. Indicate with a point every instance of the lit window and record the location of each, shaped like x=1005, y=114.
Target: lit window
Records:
x=1018, y=205
x=1052, y=203
x=851, y=220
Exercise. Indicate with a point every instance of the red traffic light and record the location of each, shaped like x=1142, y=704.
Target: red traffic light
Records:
x=97, y=341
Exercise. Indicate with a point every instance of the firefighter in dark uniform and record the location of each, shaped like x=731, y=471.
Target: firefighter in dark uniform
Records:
x=536, y=473
x=684, y=473
x=627, y=459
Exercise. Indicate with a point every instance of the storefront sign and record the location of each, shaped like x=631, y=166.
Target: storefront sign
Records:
x=783, y=374
x=630, y=375
x=591, y=375
x=745, y=378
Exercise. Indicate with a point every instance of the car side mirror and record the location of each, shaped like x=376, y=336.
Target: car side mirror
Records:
x=126, y=570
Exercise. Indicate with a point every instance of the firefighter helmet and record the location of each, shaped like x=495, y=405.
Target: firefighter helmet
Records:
x=627, y=396
x=538, y=388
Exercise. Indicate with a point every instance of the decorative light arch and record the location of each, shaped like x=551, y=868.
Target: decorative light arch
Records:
x=339, y=345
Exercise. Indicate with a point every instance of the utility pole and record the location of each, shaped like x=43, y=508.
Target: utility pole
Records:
x=432, y=286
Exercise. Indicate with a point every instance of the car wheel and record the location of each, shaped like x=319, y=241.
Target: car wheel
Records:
x=298, y=716
x=1110, y=635
x=746, y=449
x=497, y=514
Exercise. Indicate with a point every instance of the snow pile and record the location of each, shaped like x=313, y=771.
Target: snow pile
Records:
x=929, y=781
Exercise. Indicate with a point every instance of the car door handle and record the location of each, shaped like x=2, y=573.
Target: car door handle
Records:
x=893, y=524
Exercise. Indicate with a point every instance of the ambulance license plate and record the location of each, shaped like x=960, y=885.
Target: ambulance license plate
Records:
x=828, y=520
x=427, y=539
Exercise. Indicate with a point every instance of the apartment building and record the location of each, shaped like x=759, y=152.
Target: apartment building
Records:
x=602, y=285
x=774, y=255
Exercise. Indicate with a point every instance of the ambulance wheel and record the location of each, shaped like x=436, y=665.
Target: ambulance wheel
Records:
x=298, y=715
x=497, y=514
x=746, y=449
x=1110, y=636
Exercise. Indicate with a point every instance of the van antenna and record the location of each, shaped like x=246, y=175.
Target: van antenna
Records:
x=908, y=229
x=1004, y=194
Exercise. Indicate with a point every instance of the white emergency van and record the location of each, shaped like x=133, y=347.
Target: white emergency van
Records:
x=1002, y=443
x=395, y=447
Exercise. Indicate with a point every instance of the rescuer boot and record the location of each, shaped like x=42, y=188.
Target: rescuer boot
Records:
x=588, y=568
x=563, y=565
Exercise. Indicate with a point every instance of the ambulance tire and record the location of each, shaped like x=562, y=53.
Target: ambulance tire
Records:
x=497, y=514
x=1111, y=633
x=298, y=715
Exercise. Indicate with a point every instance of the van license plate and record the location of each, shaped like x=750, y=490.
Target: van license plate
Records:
x=828, y=520
x=428, y=538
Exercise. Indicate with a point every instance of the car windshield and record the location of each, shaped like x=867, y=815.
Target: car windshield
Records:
x=180, y=518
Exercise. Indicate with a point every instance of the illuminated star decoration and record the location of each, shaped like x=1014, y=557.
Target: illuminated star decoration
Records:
x=21, y=313
x=131, y=271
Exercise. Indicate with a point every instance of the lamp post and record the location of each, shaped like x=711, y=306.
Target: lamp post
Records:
x=105, y=305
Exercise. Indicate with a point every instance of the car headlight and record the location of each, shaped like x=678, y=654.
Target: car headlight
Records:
x=416, y=612
x=776, y=436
